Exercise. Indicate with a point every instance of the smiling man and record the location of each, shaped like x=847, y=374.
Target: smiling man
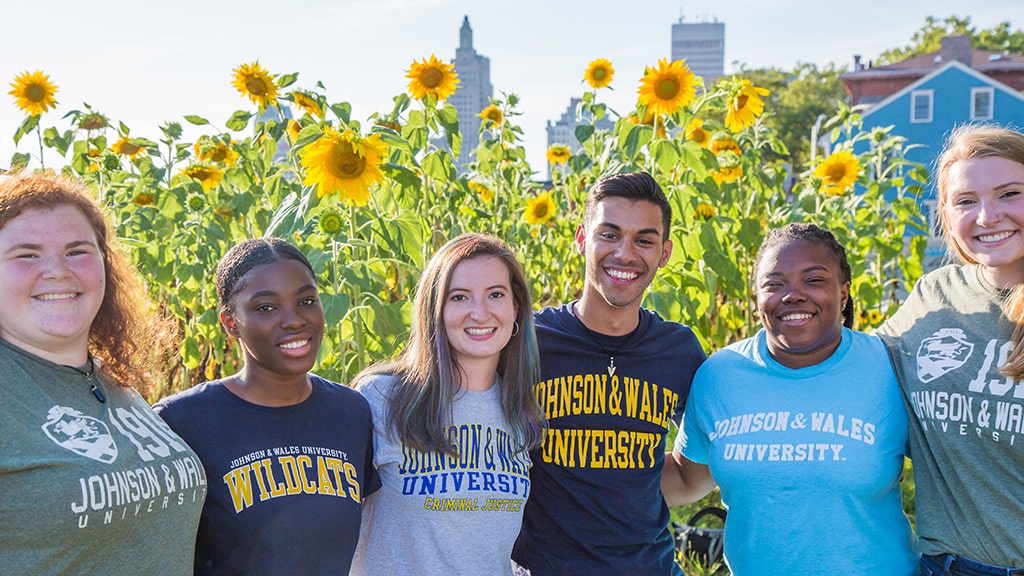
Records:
x=613, y=375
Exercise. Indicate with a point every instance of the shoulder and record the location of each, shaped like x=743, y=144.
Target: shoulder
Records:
x=551, y=317
x=198, y=395
x=336, y=391
x=666, y=334
x=376, y=388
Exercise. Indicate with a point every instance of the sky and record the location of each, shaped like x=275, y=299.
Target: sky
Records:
x=145, y=63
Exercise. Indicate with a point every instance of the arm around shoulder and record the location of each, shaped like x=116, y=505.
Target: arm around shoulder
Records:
x=684, y=481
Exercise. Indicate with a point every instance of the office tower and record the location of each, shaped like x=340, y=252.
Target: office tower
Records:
x=474, y=92
x=702, y=46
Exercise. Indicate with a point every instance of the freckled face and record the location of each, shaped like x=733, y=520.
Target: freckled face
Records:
x=52, y=279
x=800, y=298
x=983, y=205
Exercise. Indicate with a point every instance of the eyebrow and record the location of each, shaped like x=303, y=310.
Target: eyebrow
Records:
x=492, y=287
x=814, y=268
x=618, y=228
x=271, y=293
x=31, y=246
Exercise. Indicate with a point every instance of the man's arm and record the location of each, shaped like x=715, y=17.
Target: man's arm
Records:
x=683, y=481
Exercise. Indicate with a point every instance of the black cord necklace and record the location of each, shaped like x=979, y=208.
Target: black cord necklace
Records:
x=89, y=373
x=611, y=352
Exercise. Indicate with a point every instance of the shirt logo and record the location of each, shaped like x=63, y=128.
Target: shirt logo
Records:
x=945, y=351
x=81, y=434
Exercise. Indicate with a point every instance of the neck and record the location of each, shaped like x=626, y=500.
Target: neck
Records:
x=605, y=319
x=476, y=376
x=269, y=390
x=1004, y=277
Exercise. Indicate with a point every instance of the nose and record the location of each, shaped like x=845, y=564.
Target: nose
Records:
x=290, y=318
x=988, y=215
x=56, y=267
x=792, y=296
x=625, y=251
x=477, y=311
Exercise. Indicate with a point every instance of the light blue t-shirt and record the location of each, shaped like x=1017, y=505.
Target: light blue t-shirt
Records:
x=808, y=460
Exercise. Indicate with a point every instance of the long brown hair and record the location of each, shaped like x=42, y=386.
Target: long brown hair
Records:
x=984, y=141
x=420, y=407
x=128, y=336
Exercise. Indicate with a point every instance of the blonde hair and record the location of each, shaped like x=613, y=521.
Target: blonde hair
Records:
x=984, y=141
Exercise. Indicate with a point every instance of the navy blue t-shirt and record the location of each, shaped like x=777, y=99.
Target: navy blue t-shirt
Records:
x=596, y=506
x=286, y=484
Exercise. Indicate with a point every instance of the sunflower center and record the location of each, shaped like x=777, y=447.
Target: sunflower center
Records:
x=741, y=101
x=540, y=211
x=35, y=92
x=667, y=88
x=600, y=73
x=836, y=173
x=431, y=78
x=345, y=164
x=256, y=85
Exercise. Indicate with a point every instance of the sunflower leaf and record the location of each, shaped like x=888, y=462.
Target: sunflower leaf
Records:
x=343, y=110
x=27, y=126
x=584, y=132
x=197, y=120
x=286, y=80
x=239, y=120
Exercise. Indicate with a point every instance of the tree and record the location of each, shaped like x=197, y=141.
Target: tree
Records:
x=929, y=39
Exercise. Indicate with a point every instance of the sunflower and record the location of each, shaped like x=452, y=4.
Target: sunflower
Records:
x=330, y=221
x=648, y=120
x=558, y=154
x=727, y=174
x=144, y=198
x=745, y=106
x=485, y=193
x=540, y=209
x=209, y=150
x=705, y=211
x=599, y=73
x=492, y=115
x=725, y=144
x=838, y=172
x=293, y=130
x=344, y=164
x=128, y=147
x=665, y=89
x=195, y=202
x=869, y=319
x=93, y=121
x=308, y=102
x=253, y=81
x=208, y=176
x=33, y=92
x=695, y=131
x=432, y=76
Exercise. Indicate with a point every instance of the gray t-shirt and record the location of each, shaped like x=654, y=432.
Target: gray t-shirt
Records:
x=947, y=342
x=437, y=514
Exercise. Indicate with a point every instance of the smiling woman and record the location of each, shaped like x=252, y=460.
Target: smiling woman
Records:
x=288, y=448
x=76, y=334
x=802, y=426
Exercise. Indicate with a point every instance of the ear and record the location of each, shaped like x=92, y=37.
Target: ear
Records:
x=666, y=252
x=844, y=297
x=228, y=322
x=581, y=237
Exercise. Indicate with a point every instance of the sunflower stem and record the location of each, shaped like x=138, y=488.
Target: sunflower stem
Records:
x=39, y=136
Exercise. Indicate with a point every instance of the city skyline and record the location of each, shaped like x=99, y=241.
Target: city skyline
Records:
x=147, y=67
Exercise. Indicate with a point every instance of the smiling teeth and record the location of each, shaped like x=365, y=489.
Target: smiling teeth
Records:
x=64, y=296
x=793, y=317
x=296, y=344
x=622, y=275
x=994, y=237
x=479, y=331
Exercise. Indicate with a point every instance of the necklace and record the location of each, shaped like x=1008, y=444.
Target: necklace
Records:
x=611, y=352
x=88, y=373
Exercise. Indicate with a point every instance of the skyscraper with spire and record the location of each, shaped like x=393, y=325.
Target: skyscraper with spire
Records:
x=474, y=92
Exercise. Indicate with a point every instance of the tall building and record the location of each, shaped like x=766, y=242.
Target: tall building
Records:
x=473, y=94
x=563, y=131
x=702, y=45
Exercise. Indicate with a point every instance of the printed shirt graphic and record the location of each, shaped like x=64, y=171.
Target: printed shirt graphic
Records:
x=88, y=487
x=947, y=342
x=596, y=506
x=286, y=483
x=437, y=514
x=808, y=460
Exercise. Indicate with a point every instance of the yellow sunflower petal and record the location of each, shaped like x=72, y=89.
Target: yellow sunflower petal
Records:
x=432, y=76
x=668, y=87
x=745, y=106
x=33, y=92
x=558, y=154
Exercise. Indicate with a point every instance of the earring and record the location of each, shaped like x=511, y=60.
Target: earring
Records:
x=515, y=327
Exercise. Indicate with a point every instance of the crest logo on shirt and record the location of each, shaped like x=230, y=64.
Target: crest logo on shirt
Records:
x=83, y=435
x=942, y=352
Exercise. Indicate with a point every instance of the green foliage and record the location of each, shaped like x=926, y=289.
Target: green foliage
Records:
x=929, y=38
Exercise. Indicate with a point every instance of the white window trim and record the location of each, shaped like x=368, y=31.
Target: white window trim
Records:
x=930, y=94
x=991, y=102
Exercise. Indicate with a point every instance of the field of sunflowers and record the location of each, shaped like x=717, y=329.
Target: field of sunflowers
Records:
x=370, y=199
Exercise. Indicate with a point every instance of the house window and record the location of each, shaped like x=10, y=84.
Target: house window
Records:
x=981, y=103
x=921, y=106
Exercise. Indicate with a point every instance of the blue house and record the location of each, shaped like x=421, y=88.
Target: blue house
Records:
x=926, y=97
